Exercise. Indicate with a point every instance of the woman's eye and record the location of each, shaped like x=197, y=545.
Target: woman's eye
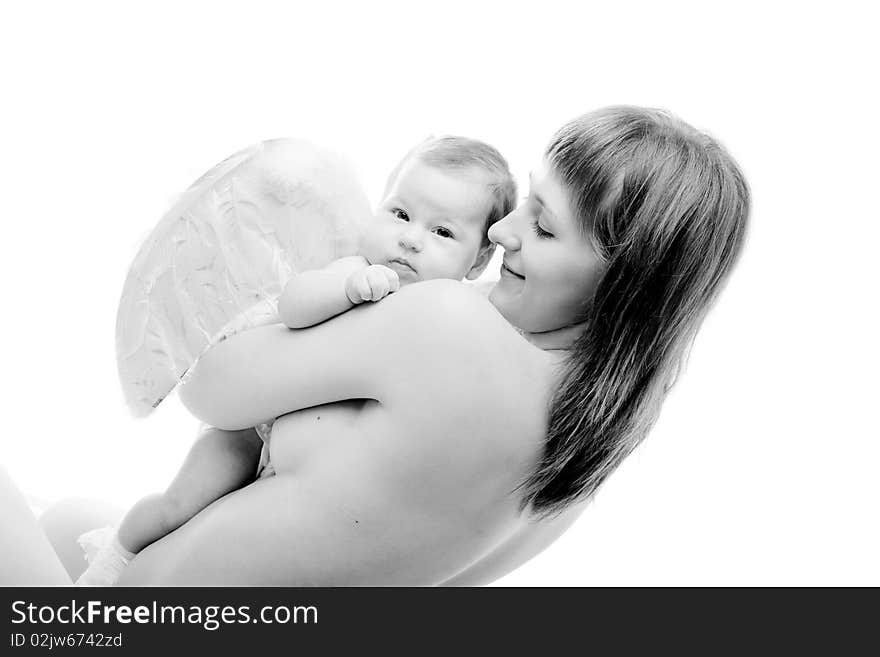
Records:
x=400, y=214
x=443, y=232
x=540, y=232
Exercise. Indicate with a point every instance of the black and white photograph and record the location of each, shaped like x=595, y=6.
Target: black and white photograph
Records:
x=459, y=294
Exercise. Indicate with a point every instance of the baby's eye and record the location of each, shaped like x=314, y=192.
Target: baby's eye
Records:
x=400, y=214
x=443, y=232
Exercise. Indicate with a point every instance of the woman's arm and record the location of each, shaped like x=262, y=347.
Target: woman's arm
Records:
x=366, y=353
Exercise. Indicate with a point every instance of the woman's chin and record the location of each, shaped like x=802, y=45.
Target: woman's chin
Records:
x=505, y=302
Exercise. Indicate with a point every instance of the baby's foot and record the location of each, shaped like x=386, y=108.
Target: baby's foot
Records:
x=107, y=562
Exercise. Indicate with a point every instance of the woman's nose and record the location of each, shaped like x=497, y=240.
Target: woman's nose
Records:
x=505, y=233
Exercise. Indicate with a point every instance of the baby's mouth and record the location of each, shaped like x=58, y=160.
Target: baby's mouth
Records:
x=402, y=263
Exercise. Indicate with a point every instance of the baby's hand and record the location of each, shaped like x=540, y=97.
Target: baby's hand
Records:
x=371, y=284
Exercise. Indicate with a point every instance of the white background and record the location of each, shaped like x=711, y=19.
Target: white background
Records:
x=762, y=469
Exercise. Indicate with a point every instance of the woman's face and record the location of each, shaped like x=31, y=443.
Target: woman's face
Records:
x=550, y=267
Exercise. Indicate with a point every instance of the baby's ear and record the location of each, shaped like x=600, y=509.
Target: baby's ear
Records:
x=484, y=255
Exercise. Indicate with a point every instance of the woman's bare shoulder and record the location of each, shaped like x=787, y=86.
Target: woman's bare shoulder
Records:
x=449, y=311
x=441, y=293
x=455, y=343
x=455, y=327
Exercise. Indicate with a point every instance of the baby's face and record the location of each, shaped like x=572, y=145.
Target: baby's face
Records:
x=430, y=224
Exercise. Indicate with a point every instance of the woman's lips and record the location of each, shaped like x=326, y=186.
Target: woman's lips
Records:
x=507, y=270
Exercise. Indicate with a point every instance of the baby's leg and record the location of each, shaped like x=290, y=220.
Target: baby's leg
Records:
x=219, y=462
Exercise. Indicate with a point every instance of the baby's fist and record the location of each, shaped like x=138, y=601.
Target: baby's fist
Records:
x=371, y=284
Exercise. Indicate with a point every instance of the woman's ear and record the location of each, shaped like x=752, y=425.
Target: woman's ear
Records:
x=484, y=255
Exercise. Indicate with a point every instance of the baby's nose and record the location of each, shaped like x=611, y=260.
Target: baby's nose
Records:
x=411, y=240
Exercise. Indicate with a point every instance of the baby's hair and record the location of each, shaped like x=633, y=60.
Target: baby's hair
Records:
x=459, y=153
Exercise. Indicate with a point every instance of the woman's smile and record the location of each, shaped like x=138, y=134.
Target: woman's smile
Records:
x=506, y=270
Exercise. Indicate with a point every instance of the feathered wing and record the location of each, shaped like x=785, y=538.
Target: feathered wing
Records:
x=217, y=261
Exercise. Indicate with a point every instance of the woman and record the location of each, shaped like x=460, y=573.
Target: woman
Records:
x=434, y=438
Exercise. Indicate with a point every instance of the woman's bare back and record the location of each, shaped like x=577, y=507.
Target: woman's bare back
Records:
x=416, y=488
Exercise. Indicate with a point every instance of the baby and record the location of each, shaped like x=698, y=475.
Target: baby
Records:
x=439, y=204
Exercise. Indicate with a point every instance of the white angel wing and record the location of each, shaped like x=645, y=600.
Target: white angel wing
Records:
x=217, y=261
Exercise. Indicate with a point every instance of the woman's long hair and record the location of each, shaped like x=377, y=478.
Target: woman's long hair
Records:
x=666, y=208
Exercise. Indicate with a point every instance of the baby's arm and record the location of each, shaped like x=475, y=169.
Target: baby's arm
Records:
x=315, y=296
